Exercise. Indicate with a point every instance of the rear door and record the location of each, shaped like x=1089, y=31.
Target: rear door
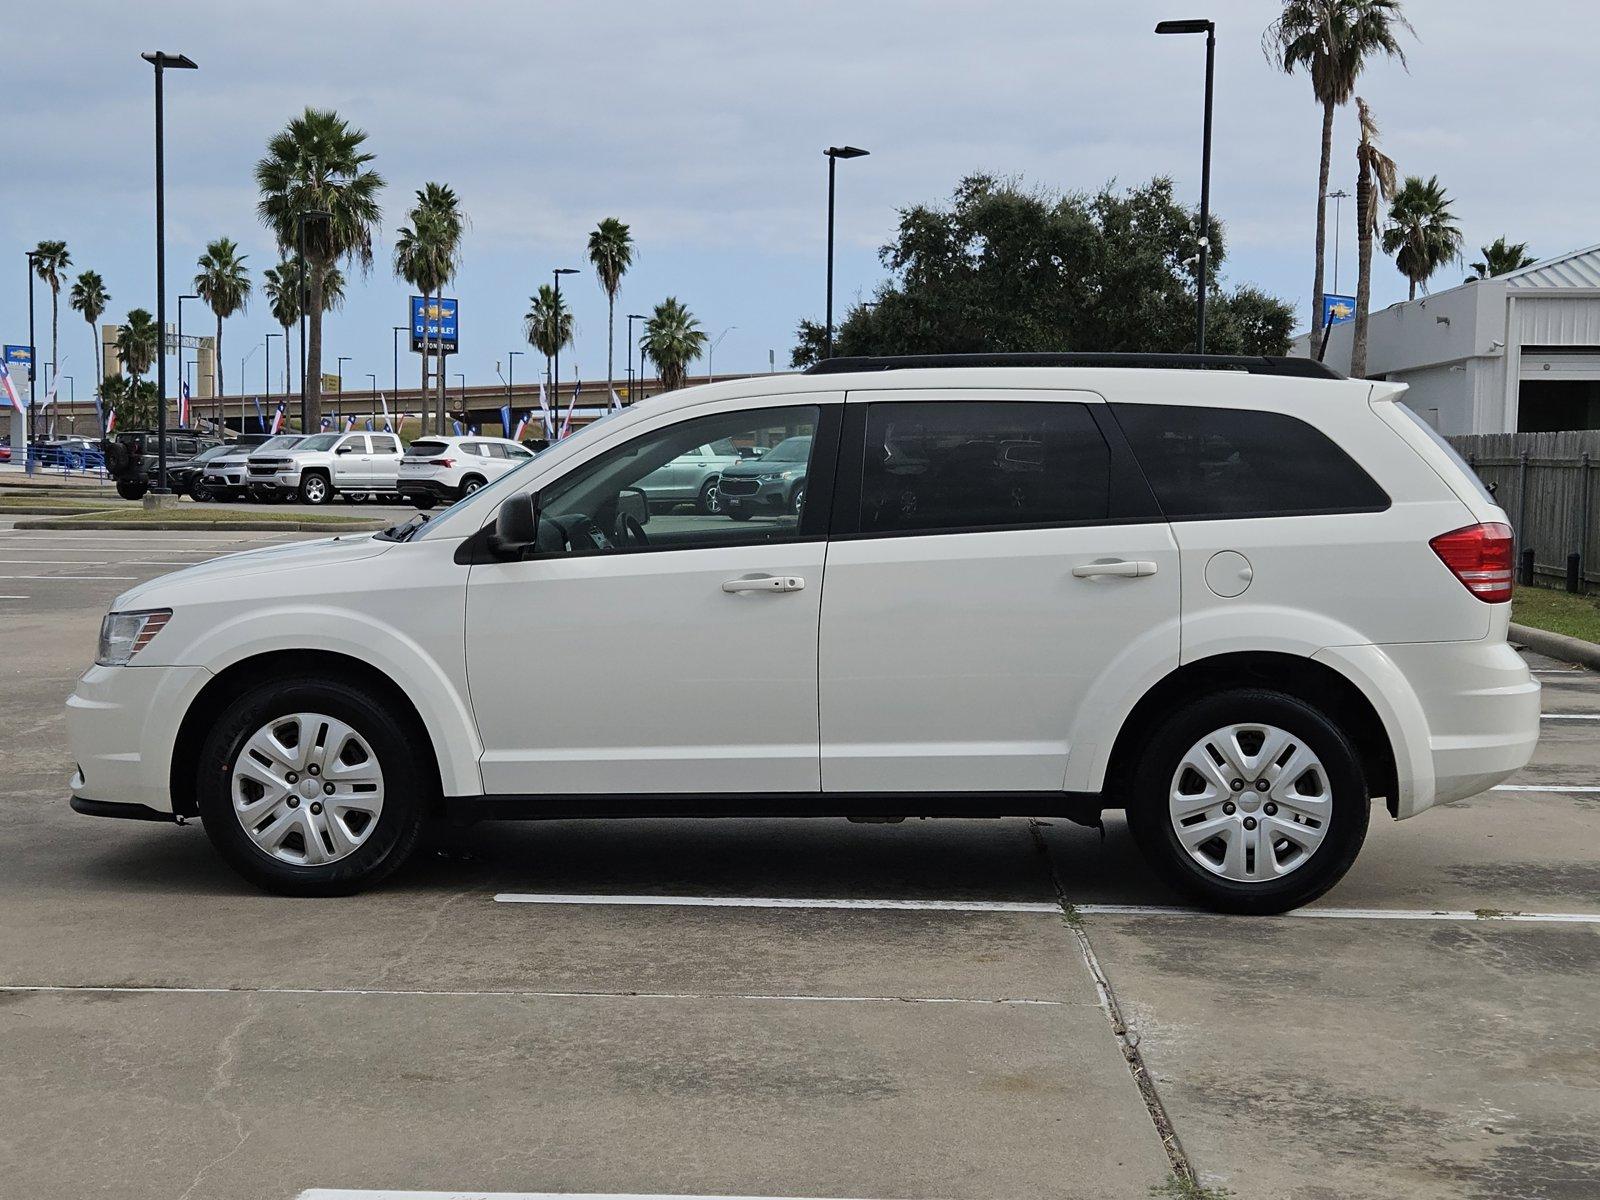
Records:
x=383, y=467
x=994, y=555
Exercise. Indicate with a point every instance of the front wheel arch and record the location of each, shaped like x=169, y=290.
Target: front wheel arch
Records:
x=231, y=683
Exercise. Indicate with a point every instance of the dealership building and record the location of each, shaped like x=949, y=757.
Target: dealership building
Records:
x=1519, y=352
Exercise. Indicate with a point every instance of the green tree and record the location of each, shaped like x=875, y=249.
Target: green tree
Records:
x=133, y=400
x=548, y=327
x=672, y=340
x=318, y=164
x=223, y=282
x=136, y=346
x=1501, y=257
x=50, y=263
x=1008, y=268
x=611, y=253
x=1422, y=233
x=90, y=298
x=426, y=255
x=1375, y=173
x=281, y=285
x=1331, y=41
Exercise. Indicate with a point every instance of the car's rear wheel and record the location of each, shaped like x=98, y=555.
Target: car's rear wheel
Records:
x=471, y=484
x=315, y=489
x=130, y=489
x=1250, y=801
x=310, y=787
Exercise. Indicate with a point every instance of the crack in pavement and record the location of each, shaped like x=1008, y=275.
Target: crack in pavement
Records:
x=221, y=1079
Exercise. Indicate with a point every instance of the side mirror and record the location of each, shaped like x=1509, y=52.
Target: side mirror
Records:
x=345, y=450
x=516, y=525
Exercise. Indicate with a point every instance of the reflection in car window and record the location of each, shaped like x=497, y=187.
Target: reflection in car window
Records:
x=981, y=465
x=650, y=492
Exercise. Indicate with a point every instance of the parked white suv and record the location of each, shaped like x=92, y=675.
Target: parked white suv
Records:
x=444, y=469
x=324, y=465
x=1238, y=604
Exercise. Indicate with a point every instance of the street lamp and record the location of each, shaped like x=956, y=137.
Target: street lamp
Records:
x=1209, y=28
x=266, y=382
x=711, y=348
x=161, y=61
x=1338, y=206
x=339, y=366
x=182, y=377
x=305, y=303
x=633, y=399
x=242, y=362
x=555, y=384
x=398, y=330
x=18, y=425
x=511, y=378
x=834, y=153
x=463, y=385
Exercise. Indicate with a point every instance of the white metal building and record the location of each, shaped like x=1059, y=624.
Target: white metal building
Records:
x=1520, y=352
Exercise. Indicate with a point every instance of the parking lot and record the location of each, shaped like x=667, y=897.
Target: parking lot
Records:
x=963, y=1008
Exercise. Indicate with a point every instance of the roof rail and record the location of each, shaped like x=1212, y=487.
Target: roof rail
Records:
x=1254, y=364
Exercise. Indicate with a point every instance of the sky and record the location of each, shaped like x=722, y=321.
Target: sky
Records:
x=702, y=124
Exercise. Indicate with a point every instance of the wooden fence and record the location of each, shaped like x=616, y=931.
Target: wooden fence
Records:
x=1546, y=483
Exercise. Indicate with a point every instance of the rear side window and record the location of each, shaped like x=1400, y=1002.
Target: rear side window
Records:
x=383, y=443
x=1209, y=463
x=422, y=449
x=981, y=465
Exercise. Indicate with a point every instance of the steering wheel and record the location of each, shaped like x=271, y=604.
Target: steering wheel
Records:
x=630, y=532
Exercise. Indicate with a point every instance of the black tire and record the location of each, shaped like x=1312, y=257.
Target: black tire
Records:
x=797, y=499
x=200, y=493
x=423, y=502
x=406, y=794
x=710, y=499
x=130, y=489
x=738, y=512
x=315, y=488
x=1159, y=761
x=470, y=484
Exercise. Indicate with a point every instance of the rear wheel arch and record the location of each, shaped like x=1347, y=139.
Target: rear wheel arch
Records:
x=231, y=683
x=1319, y=685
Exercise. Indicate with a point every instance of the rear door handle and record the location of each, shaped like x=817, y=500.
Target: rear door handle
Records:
x=765, y=583
x=1128, y=569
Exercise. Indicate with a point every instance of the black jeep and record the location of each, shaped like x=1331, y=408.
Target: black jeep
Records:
x=131, y=457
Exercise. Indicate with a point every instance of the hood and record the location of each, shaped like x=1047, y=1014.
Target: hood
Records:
x=167, y=591
x=762, y=466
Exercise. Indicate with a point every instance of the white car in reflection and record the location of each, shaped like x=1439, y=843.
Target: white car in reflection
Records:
x=691, y=478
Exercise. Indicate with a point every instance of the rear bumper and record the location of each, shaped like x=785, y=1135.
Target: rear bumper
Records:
x=428, y=489
x=121, y=726
x=1461, y=716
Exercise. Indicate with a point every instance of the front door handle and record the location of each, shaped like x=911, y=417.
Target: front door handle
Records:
x=1115, y=566
x=765, y=583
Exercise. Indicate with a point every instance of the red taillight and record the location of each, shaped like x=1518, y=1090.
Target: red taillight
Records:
x=1479, y=556
x=441, y=462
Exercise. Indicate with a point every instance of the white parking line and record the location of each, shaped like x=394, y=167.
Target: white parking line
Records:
x=123, y=577
x=1544, y=787
x=53, y=562
x=382, y=1194
x=15, y=597
x=1569, y=716
x=1029, y=906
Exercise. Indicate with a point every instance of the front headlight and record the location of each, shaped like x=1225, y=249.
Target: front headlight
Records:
x=124, y=634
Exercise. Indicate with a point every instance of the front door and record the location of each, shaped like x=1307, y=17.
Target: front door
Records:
x=636, y=653
x=351, y=465
x=1004, y=558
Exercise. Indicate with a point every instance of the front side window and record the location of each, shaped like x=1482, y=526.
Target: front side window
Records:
x=1213, y=463
x=968, y=465
x=354, y=443
x=622, y=500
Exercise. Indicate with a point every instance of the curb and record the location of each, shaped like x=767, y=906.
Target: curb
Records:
x=1558, y=646
x=240, y=526
x=49, y=510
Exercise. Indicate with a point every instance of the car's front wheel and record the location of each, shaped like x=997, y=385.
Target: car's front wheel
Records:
x=130, y=489
x=315, y=489
x=1250, y=800
x=310, y=787
x=710, y=498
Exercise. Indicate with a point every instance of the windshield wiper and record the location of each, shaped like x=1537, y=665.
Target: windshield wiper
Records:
x=406, y=530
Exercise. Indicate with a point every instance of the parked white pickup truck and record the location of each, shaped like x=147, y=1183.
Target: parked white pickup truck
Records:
x=355, y=465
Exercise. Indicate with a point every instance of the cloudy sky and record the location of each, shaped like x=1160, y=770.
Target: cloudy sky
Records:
x=702, y=123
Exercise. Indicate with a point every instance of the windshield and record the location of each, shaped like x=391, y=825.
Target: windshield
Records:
x=319, y=441
x=212, y=452
x=795, y=449
x=282, y=442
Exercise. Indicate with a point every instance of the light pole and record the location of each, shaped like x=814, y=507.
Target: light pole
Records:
x=373, y=395
x=639, y=378
x=161, y=61
x=398, y=330
x=555, y=380
x=511, y=378
x=463, y=385
x=266, y=382
x=1209, y=28
x=1338, y=199
x=242, y=363
x=834, y=153
x=20, y=425
x=711, y=349
x=182, y=377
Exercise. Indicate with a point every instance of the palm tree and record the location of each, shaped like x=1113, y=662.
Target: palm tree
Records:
x=426, y=255
x=611, y=252
x=1374, y=169
x=1422, y=234
x=136, y=346
x=1501, y=258
x=672, y=340
x=548, y=327
x=50, y=263
x=1331, y=41
x=89, y=297
x=317, y=164
x=281, y=285
x=223, y=282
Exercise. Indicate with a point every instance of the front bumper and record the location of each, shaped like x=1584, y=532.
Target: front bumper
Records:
x=230, y=483
x=121, y=726
x=277, y=481
x=772, y=494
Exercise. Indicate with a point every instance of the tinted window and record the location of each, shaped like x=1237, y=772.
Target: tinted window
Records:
x=425, y=449
x=383, y=443
x=1231, y=462
x=981, y=465
x=353, y=443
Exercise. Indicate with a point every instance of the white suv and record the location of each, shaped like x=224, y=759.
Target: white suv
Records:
x=319, y=467
x=1238, y=604
x=445, y=469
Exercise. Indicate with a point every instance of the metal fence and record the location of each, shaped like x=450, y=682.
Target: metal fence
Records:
x=1546, y=483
